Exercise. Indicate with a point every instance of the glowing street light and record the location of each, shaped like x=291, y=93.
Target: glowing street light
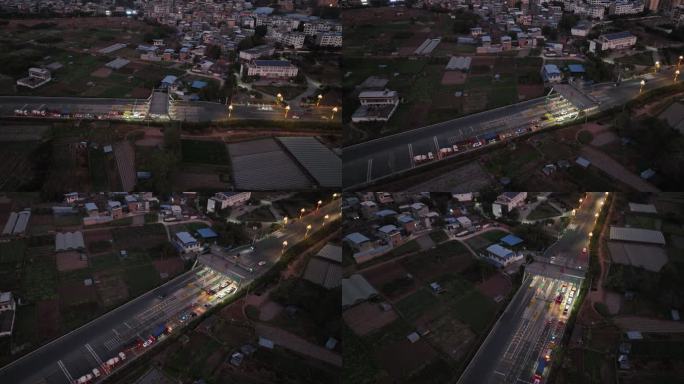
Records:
x=284, y=245
x=596, y=215
x=325, y=218
x=657, y=66
x=333, y=114
x=319, y=98
x=334, y=195
x=643, y=82
x=580, y=200
x=287, y=110
x=301, y=212
x=285, y=220
x=308, y=228
x=279, y=98
x=591, y=234
x=676, y=75
x=680, y=61
x=230, y=110
x=318, y=205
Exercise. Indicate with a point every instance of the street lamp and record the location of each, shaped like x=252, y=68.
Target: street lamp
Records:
x=676, y=75
x=680, y=61
x=657, y=66
x=333, y=114
x=287, y=109
x=325, y=218
x=230, y=110
x=285, y=220
x=318, y=205
x=334, y=195
x=308, y=228
x=320, y=97
x=596, y=215
x=580, y=200
x=284, y=245
x=643, y=82
x=279, y=98
x=301, y=213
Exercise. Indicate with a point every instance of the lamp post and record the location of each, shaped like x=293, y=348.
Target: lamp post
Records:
x=287, y=110
x=679, y=63
x=657, y=66
x=318, y=205
x=643, y=82
x=318, y=99
x=308, y=228
x=230, y=110
x=285, y=221
x=301, y=213
x=325, y=218
x=334, y=196
x=279, y=98
x=333, y=113
x=284, y=246
x=676, y=75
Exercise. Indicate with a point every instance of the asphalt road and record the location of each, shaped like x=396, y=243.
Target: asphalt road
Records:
x=389, y=155
x=76, y=353
x=191, y=111
x=532, y=320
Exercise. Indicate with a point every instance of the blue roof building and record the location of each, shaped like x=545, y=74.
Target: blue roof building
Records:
x=198, y=84
x=576, y=68
x=185, y=238
x=511, y=240
x=207, y=233
x=501, y=256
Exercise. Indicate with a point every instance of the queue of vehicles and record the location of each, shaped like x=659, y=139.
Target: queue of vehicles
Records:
x=159, y=331
x=42, y=110
x=489, y=138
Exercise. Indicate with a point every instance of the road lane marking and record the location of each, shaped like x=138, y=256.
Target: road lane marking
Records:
x=369, y=170
x=410, y=148
x=65, y=371
x=434, y=138
x=95, y=356
x=126, y=324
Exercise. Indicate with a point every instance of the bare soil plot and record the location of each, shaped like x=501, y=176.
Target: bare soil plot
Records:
x=475, y=101
x=102, y=72
x=96, y=241
x=153, y=137
x=125, y=162
x=171, y=266
x=451, y=336
x=378, y=277
x=466, y=178
x=70, y=261
x=49, y=316
x=427, y=268
x=453, y=78
x=495, y=286
x=185, y=180
x=530, y=91
x=234, y=312
x=75, y=292
x=111, y=289
x=367, y=317
x=400, y=358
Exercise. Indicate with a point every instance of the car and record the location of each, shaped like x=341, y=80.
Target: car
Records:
x=567, y=307
x=565, y=311
x=569, y=300
x=147, y=343
x=559, y=298
x=295, y=117
x=261, y=263
x=477, y=144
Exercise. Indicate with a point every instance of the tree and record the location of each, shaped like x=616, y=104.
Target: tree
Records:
x=213, y=51
x=568, y=21
x=260, y=31
x=549, y=32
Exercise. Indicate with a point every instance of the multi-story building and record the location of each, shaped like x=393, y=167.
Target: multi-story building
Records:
x=617, y=40
x=293, y=39
x=271, y=69
x=376, y=106
x=626, y=7
x=222, y=200
x=8, y=308
x=257, y=52
x=36, y=78
x=508, y=201
x=186, y=243
x=329, y=39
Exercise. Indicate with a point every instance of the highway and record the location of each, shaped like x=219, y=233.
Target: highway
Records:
x=190, y=111
x=387, y=156
x=534, y=321
x=77, y=353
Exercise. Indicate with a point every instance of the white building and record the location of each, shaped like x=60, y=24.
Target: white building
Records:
x=329, y=39
x=271, y=69
x=508, y=201
x=36, y=78
x=617, y=40
x=581, y=29
x=222, y=200
x=8, y=308
x=293, y=39
x=385, y=97
x=186, y=243
x=626, y=7
x=501, y=256
x=257, y=52
x=376, y=106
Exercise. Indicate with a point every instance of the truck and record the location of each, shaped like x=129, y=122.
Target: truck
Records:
x=430, y=156
x=444, y=152
x=419, y=158
x=84, y=379
x=112, y=362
